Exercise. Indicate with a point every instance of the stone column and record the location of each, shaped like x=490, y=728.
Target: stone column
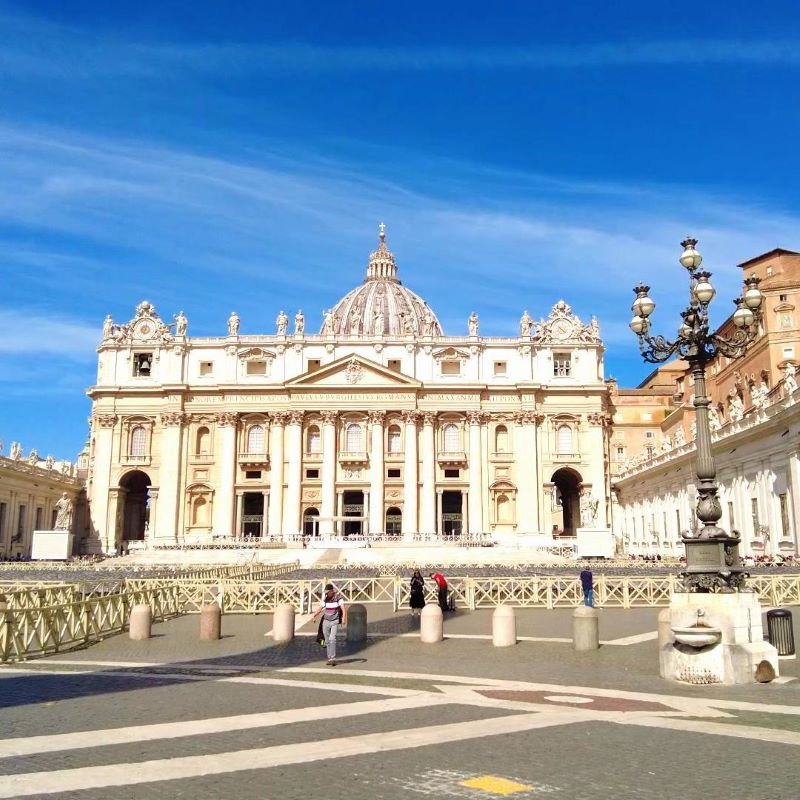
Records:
x=376, y=483
x=464, y=512
x=365, y=513
x=294, y=442
x=794, y=497
x=113, y=529
x=327, y=511
x=475, y=473
x=152, y=512
x=103, y=517
x=276, y=476
x=410, y=480
x=527, y=469
x=238, y=524
x=169, y=478
x=439, y=523
x=223, y=507
x=339, y=510
x=264, y=514
x=428, y=498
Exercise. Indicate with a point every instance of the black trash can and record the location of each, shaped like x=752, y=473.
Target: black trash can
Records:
x=780, y=632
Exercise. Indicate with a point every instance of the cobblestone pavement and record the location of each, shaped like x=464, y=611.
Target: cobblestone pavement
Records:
x=245, y=717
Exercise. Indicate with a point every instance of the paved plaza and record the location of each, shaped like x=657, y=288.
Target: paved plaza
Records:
x=244, y=717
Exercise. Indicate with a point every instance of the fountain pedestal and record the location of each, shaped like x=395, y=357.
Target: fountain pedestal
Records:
x=726, y=646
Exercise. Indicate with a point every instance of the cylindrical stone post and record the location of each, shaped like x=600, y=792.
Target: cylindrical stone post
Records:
x=283, y=623
x=585, y=628
x=140, y=621
x=504, y=627
x=210, y=623
x=357, y=623
x=431, y=624
x=664, y=627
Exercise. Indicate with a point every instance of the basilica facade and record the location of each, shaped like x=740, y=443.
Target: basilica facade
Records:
x=379, y=424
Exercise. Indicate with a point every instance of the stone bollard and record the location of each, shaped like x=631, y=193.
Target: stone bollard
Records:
x=504, y=627
x=139, y=622
x=210, y=623
x=664, y=627
x=431, y=624
x=357, y=623
x=585, y=628
x=283, y=623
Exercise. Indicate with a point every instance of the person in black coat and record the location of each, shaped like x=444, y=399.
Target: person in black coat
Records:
x=417, y=599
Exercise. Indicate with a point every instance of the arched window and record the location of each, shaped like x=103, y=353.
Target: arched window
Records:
x=394, y=439
x=200, y=511
x=202, y=442
x=503, y=509
x=313, y=441
x=138, y=441
x=564, y=439
x=255, y=439
x=452, y=439
x=501, y=439
x=353, y=438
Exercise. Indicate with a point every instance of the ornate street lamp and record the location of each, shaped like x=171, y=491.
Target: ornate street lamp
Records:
x=712, y=556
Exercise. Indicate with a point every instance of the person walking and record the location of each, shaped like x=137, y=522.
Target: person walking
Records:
x=441, y=583
x=333, y=611
x=587, y=585
x=417, y=598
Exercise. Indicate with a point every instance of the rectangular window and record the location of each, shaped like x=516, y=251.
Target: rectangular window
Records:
x=312, y=364
x=21, y=522
x=394, y=364
x=782, y=298
x=500, y=368
x=452, y=473
x=754, y=513
x=664, y=532
x=256, y=368
x=562, y=365
x=3, y=512
x=392, y=473
x=678, y=520
x=784, y=516
x=53, y=518
x=253, y=474
x=312, y=474
x=39, y=516
x=206, y=368
x=142, y=365
x=731, y=519
x=451, y=367
x=649, y=434
x=620, y=452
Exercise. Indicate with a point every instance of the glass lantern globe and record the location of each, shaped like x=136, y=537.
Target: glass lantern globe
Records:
x=690, y=257
x=638, y=324
x=743, y=317
x=753, y=297
x=703, y=290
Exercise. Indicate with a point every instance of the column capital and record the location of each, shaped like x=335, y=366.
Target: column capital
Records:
x=376, y=417
x=227, y=419
x=171, y=419
x=411, y=417
x=528, y=417
x=475, y=417
x=294, y=417
x=429, y=418
x=329, y=417
x=106, y=420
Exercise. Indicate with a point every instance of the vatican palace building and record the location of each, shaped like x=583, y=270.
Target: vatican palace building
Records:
x=378, y=424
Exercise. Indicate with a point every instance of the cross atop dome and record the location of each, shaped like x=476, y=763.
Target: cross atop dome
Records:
x=382, y=265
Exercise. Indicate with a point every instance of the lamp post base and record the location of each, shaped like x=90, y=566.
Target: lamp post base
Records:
x=713, y=565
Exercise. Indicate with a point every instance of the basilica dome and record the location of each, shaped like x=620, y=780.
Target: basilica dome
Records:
x=382, y=305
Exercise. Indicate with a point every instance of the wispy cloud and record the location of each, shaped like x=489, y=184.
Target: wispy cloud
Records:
x=22, y=333
x=36, y=47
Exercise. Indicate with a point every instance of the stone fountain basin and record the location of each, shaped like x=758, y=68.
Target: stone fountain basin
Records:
x=697, y=635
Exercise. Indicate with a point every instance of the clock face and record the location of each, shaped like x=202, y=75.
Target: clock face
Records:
x=561, y=329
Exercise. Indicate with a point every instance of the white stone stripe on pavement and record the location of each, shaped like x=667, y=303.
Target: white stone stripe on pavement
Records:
x=773, y=735
x=197, y=727
x=129, y=774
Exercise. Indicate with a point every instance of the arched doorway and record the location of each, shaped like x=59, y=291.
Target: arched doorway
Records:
x=136, y=505
x=567, y=501
x=311, y=522
x=394, y=521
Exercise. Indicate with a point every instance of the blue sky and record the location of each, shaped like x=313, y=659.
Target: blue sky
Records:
x=210, y=157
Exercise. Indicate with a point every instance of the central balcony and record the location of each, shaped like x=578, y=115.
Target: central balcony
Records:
x=254, y=459
x=453, y=457
x=353, y=457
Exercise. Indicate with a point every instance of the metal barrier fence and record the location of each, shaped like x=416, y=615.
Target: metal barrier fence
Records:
x=26, y=632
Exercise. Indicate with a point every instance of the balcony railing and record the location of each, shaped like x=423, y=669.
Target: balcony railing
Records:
x=353, y=457
x=453, y=457
x=253, y=458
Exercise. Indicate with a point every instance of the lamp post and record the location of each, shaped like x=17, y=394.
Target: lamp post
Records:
x=712, y=555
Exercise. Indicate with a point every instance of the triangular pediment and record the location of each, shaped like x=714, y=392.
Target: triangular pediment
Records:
x=353, y=371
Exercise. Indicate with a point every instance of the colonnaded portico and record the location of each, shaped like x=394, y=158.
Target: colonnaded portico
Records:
x=379, y=424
